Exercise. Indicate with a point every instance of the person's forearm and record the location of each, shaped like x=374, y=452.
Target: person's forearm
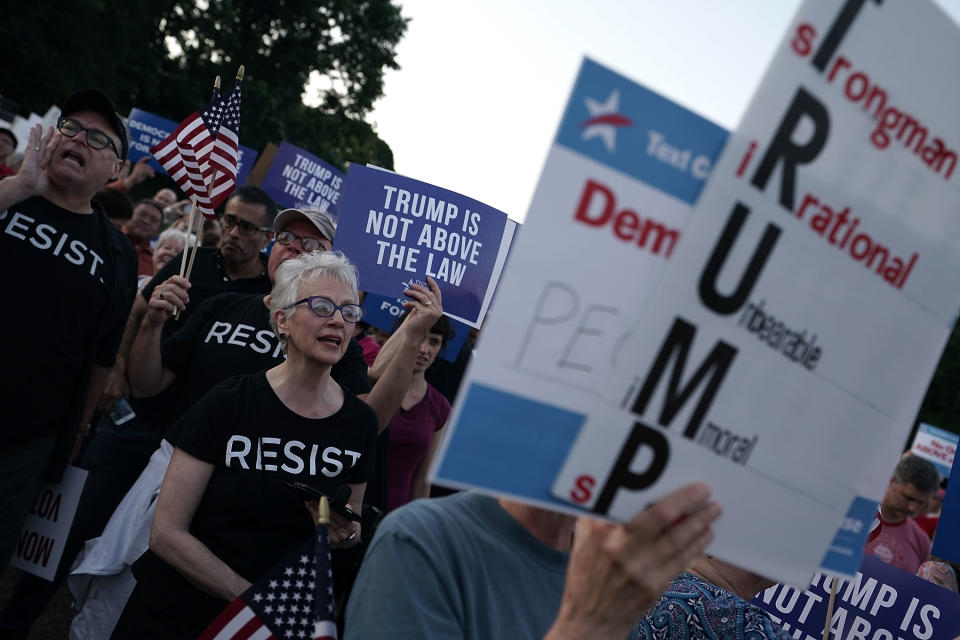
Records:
x=388, y=391
x=386, y=353
x=145, y=366
x=137, y=312
x=185, y=553
x=12, y=191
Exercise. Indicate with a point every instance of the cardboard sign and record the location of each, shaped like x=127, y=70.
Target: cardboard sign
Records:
x=881, y=602
x=147, y=129
x=936, y=445
x=397, y=230
x=813, y=294
x=45, y=531
x=617, y=186
x=383, y=312
x=297, y=179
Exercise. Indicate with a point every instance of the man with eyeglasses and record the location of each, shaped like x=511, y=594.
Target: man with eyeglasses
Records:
x=236, y=265
x=896, y=538
x=64, y=258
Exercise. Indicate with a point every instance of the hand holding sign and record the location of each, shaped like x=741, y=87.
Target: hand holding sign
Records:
x=618, y=571
x=425, y=306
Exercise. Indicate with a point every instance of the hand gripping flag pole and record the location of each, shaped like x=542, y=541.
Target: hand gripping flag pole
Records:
x=292, y=600
x=202, y=156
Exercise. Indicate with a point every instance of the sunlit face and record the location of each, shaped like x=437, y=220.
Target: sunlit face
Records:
x=74, y=164
x=165, y=252
x=281, y=253
x=145, y=222
x=321, y=340
x=429, y=348
x=902, y=500
x=238, y=245
x=165, y=197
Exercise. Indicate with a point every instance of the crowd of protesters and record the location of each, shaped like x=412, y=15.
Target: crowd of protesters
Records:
x=210, y=412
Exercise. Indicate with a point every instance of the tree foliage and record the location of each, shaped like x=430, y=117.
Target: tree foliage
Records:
x=163, y=55
x=941, y=406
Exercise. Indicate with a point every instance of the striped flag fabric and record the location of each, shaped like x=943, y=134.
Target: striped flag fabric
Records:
x=294, y=600
x=225, y=156
x=206, y=143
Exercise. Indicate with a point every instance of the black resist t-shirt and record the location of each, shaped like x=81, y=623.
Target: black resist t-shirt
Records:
x=56, y=263
x=230, y=334
x=248, y=517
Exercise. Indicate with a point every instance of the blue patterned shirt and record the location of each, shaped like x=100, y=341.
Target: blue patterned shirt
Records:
x=693, y=609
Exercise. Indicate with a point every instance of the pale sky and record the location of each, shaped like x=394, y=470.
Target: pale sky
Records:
x=482, y=85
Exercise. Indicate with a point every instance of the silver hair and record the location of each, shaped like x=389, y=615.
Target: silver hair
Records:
x=174, y=234
x=292, y=273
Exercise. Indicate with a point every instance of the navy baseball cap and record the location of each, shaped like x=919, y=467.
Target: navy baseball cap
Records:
x=94, y=100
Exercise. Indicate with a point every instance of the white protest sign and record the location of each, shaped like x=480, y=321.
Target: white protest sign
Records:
x=618, y=184
x=45, y=531
x=813, y=291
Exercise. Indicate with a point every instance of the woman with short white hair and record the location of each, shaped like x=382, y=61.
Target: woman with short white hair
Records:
x=226, y=514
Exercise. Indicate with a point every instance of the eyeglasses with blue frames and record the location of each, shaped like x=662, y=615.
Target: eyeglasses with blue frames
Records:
x=96, y=139
x=325, y=307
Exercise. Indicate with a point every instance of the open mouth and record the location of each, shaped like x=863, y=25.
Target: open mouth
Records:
x=334, y=341
x=75, y=157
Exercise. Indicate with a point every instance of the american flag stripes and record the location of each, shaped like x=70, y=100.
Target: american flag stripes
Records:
x=226, y=148
x=205, y=144
x=293, y=600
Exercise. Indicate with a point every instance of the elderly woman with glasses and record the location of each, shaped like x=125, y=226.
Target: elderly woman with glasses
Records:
x=226, y=513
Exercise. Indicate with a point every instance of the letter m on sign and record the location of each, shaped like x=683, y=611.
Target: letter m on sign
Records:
x=673, y=353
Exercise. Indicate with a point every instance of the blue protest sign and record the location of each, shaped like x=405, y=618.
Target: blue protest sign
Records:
x=383, y=312
x=298, y=179
x=881, y=601
x=147, y=129
x=946, y=542
x=396, y=229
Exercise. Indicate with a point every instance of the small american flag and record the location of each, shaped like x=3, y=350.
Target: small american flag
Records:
x=203, y=144
x=293, y=600
x=225, y=156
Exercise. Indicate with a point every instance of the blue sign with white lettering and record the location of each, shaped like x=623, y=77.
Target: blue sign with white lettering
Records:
x=147, y=129
x=396, y=229
x=880, y=602
x=634, y=130
x=297, y=179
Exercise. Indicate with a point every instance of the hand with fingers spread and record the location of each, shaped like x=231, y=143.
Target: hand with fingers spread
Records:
x=168, y=297
x=425, y=306
x=138, y=172
x=31, y=179
x=617, y=572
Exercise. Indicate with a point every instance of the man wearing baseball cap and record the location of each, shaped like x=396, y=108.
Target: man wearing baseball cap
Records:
x=76, y=274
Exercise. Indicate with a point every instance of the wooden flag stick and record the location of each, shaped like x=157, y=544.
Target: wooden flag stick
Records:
x=323, y=511
x=240, y=74
x=833, y=597
x=196, y=238
x=193, y=213
x=216, y=83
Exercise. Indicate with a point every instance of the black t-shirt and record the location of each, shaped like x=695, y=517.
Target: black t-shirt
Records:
x=73, y=277
x=248, y=517
x=230, y=334
x=207, y=280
